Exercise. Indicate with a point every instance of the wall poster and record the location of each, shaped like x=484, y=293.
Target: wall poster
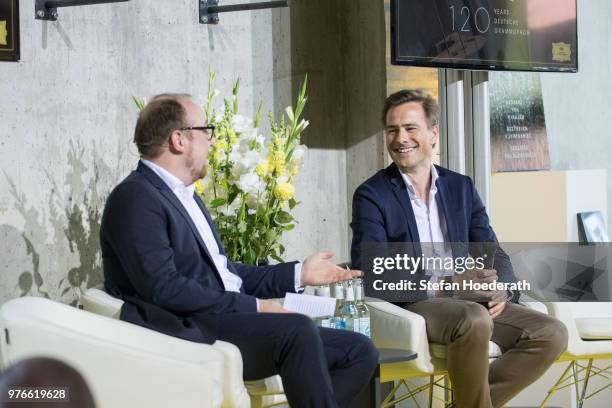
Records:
x=518, y=127
x=9, y=30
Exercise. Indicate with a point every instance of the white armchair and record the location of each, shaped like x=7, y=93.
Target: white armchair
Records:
x=398, y=328
x=589, y=329
x=123, y=365
x=263, y=393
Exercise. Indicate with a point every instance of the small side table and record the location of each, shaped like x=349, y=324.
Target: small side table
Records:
x=385, y=356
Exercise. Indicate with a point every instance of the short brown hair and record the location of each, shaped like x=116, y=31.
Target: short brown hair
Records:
x=156, y=121
x=429, y=104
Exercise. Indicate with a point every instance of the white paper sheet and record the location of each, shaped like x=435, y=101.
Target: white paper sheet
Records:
x=313, y=306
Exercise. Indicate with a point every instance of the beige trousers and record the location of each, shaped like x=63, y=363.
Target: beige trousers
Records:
x=530, y=341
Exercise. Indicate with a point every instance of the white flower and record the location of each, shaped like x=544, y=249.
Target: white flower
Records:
x=211, y=191
x=247, y=138
x=252, y=201
x=302, y=125
x=250, y=183
x=219, y=113
x=289, y=112
x=244, y=162
x=297, y=158
x=241, y=123
x=231, y=209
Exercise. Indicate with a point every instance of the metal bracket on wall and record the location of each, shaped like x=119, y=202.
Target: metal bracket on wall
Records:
x=209, y=9
x=47, y=9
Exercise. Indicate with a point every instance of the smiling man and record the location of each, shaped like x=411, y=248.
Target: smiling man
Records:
x=415, y=201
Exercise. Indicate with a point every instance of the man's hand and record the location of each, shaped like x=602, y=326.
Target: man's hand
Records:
x=496, y=308
x=479, y=276
x=317, y=269
x=476, y=275
x=270, y=306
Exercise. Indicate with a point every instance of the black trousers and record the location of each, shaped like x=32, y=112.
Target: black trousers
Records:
x=319, y=367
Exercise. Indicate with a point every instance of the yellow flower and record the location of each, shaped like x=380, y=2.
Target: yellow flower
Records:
x=221, y=145
x=278, y=142
x=232, y=137
x=262, y=169
x=293, y=170
x=279, y=169
x=217, y=155
x=199, y=188
x=284, y=191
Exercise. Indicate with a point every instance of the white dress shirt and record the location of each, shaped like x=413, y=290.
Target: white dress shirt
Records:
x=185, y=194
x=431, y=225
x=231, y=281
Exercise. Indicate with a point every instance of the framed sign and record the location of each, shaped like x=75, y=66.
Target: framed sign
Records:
x=9, y=30
x=518, y=128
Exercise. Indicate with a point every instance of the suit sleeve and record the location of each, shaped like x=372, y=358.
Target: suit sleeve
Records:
x=367, y=222
x=266, y=282
x=481, y=231
x=135, y=226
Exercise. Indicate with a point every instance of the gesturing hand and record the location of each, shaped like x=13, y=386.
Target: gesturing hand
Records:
x=317, y=269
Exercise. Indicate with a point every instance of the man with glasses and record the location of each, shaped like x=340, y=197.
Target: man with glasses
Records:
x=413, y=201
x=163, y=257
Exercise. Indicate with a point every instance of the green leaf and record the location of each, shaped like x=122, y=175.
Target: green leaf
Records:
x=288, y=227
x=25, y=282
x=250, y=257
x=283, y=217
x=217, y=202
x=270, y=236
x=140, y=103
x=258, y=115
x=234, y=191
x=242, y=227
x=292, y=203
x=276, y=257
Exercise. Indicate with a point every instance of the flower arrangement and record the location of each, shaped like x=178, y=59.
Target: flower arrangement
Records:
x=249, y=188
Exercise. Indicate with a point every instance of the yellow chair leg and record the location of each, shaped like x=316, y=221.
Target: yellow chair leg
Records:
x=554, y=388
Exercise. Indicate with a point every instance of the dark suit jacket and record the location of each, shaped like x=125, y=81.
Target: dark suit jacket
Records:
x=382, y=212
x=155, y=260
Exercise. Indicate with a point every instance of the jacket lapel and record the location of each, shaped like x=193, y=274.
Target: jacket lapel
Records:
x=230, y=264
x=212, y=225
x=401, y=193
x=444, y=200
x=173, y=199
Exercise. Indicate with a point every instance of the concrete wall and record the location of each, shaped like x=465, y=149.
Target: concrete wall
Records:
x=66, y=121
x=577, y=106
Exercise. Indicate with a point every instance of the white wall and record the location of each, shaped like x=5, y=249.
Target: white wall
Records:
x=577, y=106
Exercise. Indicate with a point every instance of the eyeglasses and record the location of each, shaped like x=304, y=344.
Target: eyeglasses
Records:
x=209, y=130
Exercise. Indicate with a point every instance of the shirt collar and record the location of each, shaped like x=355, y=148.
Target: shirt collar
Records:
x=173, y=182
x=432, y=189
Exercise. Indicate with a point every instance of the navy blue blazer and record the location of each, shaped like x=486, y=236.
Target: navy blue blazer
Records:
x=156, y=261
x=382, y=212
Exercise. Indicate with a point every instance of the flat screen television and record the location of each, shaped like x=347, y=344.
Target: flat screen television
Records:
x=516, y=35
